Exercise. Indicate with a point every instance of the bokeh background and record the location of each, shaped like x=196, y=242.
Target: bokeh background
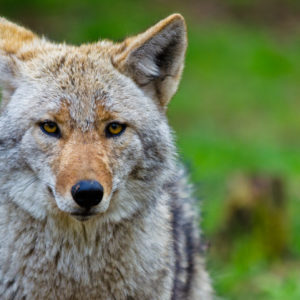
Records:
x=236, y=116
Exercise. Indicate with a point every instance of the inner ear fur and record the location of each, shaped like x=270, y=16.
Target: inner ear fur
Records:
x=155, y=59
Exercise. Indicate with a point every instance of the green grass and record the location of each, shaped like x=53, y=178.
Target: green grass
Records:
x=237, y=110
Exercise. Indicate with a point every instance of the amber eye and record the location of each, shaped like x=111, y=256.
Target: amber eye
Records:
x=50, y=128
x=114, y=129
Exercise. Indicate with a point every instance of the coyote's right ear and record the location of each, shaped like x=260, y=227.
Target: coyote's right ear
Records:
x=12, y=40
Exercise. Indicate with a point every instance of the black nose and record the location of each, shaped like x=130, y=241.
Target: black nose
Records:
x=87, y=193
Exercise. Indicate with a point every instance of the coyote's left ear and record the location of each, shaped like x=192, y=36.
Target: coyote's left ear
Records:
x=155, y=58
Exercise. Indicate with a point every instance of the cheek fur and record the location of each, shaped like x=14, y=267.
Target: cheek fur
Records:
x=37, y=150
x=125, y=155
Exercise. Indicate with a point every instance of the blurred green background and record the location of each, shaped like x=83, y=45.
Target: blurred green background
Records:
x=235, y=114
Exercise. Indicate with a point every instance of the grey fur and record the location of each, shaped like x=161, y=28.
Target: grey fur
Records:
x=142, y=242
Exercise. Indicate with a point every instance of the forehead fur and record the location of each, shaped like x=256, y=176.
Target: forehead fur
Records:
x=84, y=79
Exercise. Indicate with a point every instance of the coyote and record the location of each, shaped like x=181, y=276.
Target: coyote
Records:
x=93, y=201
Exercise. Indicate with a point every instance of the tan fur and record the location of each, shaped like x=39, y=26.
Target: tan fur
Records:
x=88, y=162
x=13, y=37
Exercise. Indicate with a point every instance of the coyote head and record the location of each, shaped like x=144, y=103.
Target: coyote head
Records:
x=83, y=130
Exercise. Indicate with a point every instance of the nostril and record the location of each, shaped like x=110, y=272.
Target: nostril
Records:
x=87, y=193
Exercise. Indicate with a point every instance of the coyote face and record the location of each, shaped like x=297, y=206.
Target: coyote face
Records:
x=84, y=128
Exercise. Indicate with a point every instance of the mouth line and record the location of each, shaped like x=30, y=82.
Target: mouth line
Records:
x=50, y=191
x=84, y=216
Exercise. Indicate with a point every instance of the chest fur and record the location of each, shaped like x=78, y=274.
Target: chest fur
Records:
x=114, y=262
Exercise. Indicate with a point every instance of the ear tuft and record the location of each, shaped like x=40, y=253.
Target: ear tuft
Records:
x=12, y=39
x=155, y=58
